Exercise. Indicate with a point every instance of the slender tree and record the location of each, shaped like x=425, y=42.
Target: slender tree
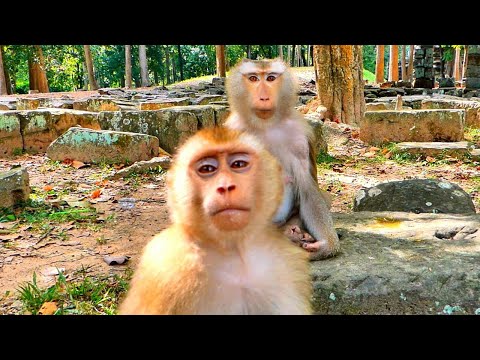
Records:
x=410, y=62
x=280, y=51
x=3, y=79
x=142, y=55
x=89, y=62
x=380, y=64
x=457, y=64
x=465, y=63
x=404, y=67
x=180, y=62
x=128, y=66
x=220, y=55
x=393, y=63
x=167, y=64
x=339, y=81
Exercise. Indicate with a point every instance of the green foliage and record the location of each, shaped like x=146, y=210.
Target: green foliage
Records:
x=65, y=63
x=369, y=58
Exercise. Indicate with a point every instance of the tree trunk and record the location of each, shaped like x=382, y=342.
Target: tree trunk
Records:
x=249, y=51
x=280, y=51
x=128, y=66
x=393, y=63
x=220, y=52
x=404, y=67
x=308, y=55
x=167, y=65
x=36, y=70
x=457, y=72
x=299, y=55
x=380, y=64
x=142, y=55
x=174, y=72
x=339, y=81
x=6, y=74
x=3, y=79
x=465, y=62
x=303, y=59
x=180, y=62
x=89, y=62
x=410, y=62
x=85, y=76
x=294, y=48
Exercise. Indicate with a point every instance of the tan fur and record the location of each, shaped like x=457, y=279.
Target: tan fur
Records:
x=195, y=267
x=289, y=137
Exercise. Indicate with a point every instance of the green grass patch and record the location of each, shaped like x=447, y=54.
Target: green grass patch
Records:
x=43, y=216
x=82, y=295
x=325, y=160
x=368, y=75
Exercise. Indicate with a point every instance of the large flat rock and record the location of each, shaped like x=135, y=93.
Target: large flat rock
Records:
x=97, y=146
x=171, y=125
x=379, y=127
x=400, y=263
x=458, y=149
x=472, y=108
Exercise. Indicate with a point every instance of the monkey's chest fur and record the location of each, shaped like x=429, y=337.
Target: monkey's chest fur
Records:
x=288, y=143
x=256, y=282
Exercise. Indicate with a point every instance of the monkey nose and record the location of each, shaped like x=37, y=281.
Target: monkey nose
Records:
x=224, y=189
x=264, y=98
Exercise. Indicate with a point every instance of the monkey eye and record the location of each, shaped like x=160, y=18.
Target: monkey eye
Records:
x=238, y=164
x=207, y=166
x=253, y=78
x=271, y=78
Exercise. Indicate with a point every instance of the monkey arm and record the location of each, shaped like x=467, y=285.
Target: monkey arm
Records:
x=315, y=213
x=166, y=277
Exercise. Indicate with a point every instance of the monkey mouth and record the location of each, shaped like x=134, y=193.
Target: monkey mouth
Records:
x=264, y=113
x=229, y=210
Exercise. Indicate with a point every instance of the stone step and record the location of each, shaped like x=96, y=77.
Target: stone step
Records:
x=458, y=149
x=380, y=127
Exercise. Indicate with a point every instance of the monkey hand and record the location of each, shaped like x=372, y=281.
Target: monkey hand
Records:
x=296, y=235
x=318, y=249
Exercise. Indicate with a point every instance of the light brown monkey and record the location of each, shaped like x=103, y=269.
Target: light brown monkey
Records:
x=222, y=254
x=262, y=96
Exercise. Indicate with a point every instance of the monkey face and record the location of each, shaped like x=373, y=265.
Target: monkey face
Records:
x=225, y=179
x=263, y=88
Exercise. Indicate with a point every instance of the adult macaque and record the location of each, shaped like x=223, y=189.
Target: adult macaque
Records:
x=262, y=96
x=222, y=254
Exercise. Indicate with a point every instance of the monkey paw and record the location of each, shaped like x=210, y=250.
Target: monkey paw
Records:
x=318, y=249
x=296, y=235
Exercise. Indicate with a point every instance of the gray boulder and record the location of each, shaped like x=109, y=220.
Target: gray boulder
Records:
x=417, y=196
